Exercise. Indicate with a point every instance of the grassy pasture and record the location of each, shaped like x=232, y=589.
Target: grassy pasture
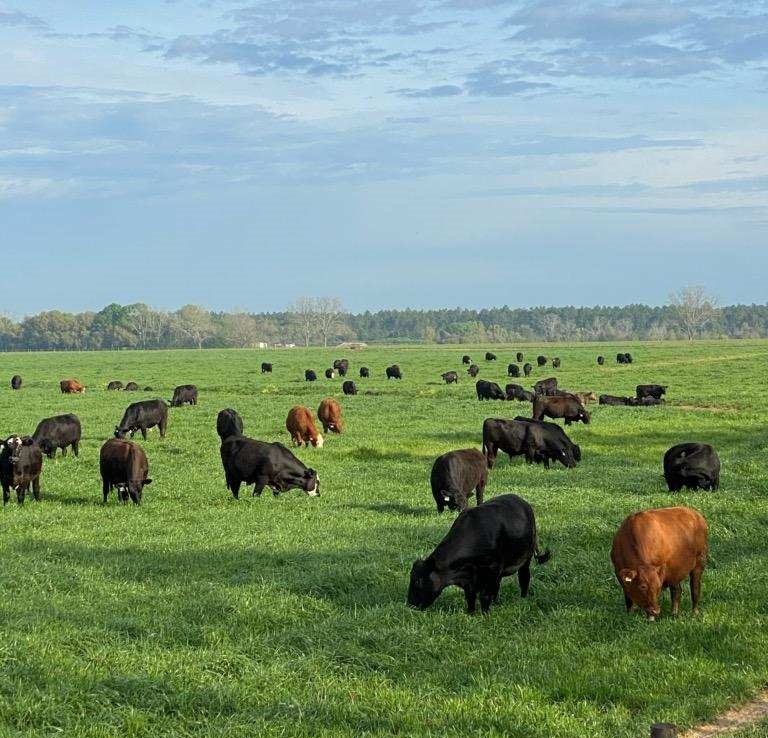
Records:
x=196, y=615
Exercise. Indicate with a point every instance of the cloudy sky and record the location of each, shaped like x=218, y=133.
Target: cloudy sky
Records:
x=241, y=153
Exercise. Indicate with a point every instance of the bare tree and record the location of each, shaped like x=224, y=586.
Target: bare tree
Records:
x=329, y=311
x=240, y=329
x=304, y=316
x=195, y=322
x=694, y=308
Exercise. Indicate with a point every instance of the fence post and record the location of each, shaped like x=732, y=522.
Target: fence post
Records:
x=663, y=730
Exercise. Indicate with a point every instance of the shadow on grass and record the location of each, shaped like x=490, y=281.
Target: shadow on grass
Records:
x=394, y=508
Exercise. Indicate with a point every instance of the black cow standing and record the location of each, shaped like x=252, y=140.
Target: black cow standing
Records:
x=342, y=366
x=61, y=431
x=473, y=370
x=349, y=387
x=21, y=462
x=140, y=416
x=310, y=376
x=330, y=373
x=15, y=382
x=488, y=390
x=450, y=377
x=365, y=372
x=184, y=394
x=656, y=391
x=124, y=467
x=513, y=370
x=266, y=367
x=456, y=476
x=490, y=356
x=693, y=466
x=556, y=363
x=393, y=372
x=527, y=369
x=520, y=357
x=541, y=360
x=466, y=359
x=485, y=544
x=601, y=360
x=229, y=423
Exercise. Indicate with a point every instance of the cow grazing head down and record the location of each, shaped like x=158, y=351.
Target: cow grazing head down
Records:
x=305, y=479
x=425, y=586
x=584, y=416
x=643, y=586
x=317, y=442
x=121, y=432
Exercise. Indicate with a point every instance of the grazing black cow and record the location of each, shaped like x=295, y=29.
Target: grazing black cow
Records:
x=131, y=387
x=184, y=394
x=454, y=477
x=330, y=373
x=310, y=376
x=516, y=392
x=614, y=400
x=149, y=389
x=473, y=370
x=513, y=370
x=365, y=372
x=650, y=390
x=545, y=386
x=485, y=543
x=488, y=390
x=15, y=382
x=342, y=366
x=539, y=442
x=623, y=358
x=519, y=357
x=628, y=358
x=142, y=416
x=551, y=443
x=556, y=363
x=541, y=360
x=601, y=360
x=450, y=377
x=261, y=464
x=21, y=462
x=229, y=423
x=124, y=467
x=568, y=407
x=693, y=466
x=114, y=385
x=490, y=356
x=61, y=431
x=266, y=367
x=510, y=436
x=466, y=359
x=527, y=369
x=393, y=372
x=349, y=387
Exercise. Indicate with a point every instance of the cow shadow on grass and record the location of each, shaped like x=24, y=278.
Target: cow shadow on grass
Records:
x=394, y=508
x=366, y=453
x=457, y=436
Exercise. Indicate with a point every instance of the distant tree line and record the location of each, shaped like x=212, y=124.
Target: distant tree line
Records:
x=322, y=321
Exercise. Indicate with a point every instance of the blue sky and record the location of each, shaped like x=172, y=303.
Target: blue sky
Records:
x=395, y=153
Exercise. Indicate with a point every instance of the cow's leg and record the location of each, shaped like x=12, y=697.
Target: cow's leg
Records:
x=524, y=578
x=63, y=451
x=628, y=603
x=105, y=487
x=162, y=427
x=460, y=500
x=696, y=589
x=470, y=594
x=489, y=581
x=76, y=448
x=143, y=432
x=21, y=491
x=234, y=486
x=6, y=493
x=676, y=591
x=36, y=488
x=258, y=486
x=479, y=491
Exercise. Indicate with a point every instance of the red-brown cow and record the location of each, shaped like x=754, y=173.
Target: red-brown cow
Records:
x=329, y=414
x=301, y=426
x=659, y=548
x=71, y=387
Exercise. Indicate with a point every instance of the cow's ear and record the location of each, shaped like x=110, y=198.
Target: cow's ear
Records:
x=27, y=441
x=147, y=481
x=627, y=575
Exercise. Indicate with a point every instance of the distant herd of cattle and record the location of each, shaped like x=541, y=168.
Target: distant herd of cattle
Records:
x=653, y=549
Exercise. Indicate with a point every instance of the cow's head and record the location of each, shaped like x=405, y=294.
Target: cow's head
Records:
x=425, y=585
x=120, y=432
x=310, y=482
x=643, y=586
x=14, y=444
x=317, y=441
x=584, y=416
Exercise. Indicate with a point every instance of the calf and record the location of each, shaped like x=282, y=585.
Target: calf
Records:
x=654, y=549
x=488, y=390
x=657, y=391
x=450, y=377
x=61, y=432
x=466, y=359
x=115, y=385
x=329, y=414
x=131, y=387
x=568, y=408
x=71, y=387
x=247, y=461
x=266, y=367
x=393, y=372
x=365, y=372
x=330, y=374
x=484, y=544
x=142, y=416
x=473, y=370
x=15, y=382
x=184, y=394
x=456, y=476
x=349, y=387
x=513, y=370
x=228, y=424
x=301, y=426
x=545, y=386
x=21, y=462
x=489, y=356
x=310, y=376
x=527, y=369
x=516, y=392
x=693, y=466
x=124, y=467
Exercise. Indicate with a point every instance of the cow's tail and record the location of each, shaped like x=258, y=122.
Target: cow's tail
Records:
x=541, y=556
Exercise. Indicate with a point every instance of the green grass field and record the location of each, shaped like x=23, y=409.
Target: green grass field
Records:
x=198, y=615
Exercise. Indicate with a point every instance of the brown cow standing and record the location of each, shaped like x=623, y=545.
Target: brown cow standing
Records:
x=567, y=407
x=301, y=426
x=123, y=466
x=329, y=414
x=71, y=387
x=659, y=548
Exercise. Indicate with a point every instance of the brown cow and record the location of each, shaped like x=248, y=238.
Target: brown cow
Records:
x=329, y=414
x=585, y=397
x=659, y=548
x=567, y=407
x=301, y=426
x=124, y=467
x=71, y=387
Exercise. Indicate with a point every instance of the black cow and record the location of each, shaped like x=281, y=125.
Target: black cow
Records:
x=184, y=394
x=114, y=385
x=488, y=390
x=342, y=366
x=456, y=476
x=490, y=356
x=645, y=401
x=310, y=376
x=485, y=544
x=623, y=358
x=393, y=372
x=131, y=387
x=61, y=431
x=266, y=367
x=450, y=377
x=601, y=360
x=510, y=436
x=142, y=416
x=149, y=389
x=650, y=390
x=124, y=467
x=466, y=359
x=551, y=443
x=330, y=373
x=628, y=358
x=21, y=462
x=513, y=370
x=693, y=466
x=545, y=386
x=15, y=382
x=519, y=357
x=556, y=363
x=614, y=400
x=541, y=360
x=229, y=423
x=247, y=461
x=527, y=369
x=364, y=372
x=568, y=407
x=516, y=392
x=473, y=370
x=349, y=387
